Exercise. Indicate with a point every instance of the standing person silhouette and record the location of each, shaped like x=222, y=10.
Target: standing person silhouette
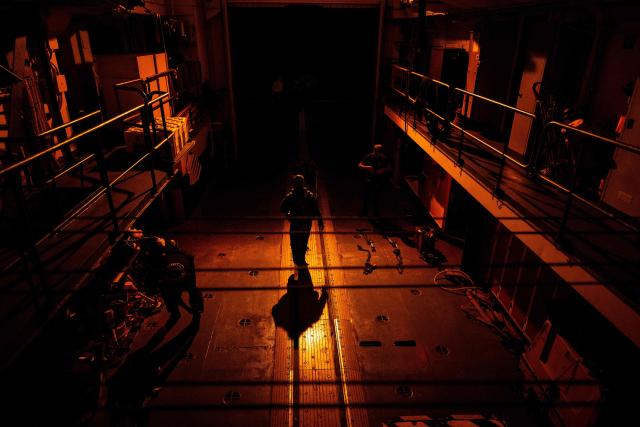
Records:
x=301, y=207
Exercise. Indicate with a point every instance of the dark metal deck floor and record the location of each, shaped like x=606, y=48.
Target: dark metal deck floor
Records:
x=330, y=376
x=238, y=365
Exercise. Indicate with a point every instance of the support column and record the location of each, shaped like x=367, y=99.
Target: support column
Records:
x=232, y=107
x=201, y=40
x=376, y=88
x=421, y=60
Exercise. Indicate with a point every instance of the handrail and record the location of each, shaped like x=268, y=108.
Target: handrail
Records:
x=170, y=72
x=413, y=100
x=99, y=192
x=127, y=87
x=128, y=82
x=66, y=125
x=68, y=141
x=11, y=73
x=70, y=168
x=30, y=252
x=161, y=143
x=78, y=209
x=423, y=76
x=147, y=79
x=616, y=143
x=149, y=129
x=475, y=95
x=493, y=101
x=436, y=115
x=115, y=180
x=571, y=192
x=489, y=146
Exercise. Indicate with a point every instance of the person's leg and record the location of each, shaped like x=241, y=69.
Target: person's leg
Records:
x=296, y=246
x=366, y=198
x=375, y=200
x=304, y=242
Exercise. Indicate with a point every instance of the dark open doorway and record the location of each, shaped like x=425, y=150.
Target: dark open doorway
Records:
x=454, y=67
x=324, y=61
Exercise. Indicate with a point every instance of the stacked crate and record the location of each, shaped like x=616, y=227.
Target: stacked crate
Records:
x=177, y=128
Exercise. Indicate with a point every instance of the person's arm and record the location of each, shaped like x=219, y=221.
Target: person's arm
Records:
x=285, y=204
x=365, y=167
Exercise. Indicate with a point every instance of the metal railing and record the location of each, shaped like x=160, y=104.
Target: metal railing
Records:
x=571, y=190
x=503, y=153
x=12, y=175
x=415, y=93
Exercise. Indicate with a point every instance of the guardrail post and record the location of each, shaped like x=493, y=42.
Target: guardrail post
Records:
x=406, y=99
x=538, y=128
x=162, y=115
x=146, y=115
x=415, y=108
x=56, y=197
x=166, y=133
x=451, y=109
x=498, y=192
x=31, y=247
x=104, y=177
x=561, y=240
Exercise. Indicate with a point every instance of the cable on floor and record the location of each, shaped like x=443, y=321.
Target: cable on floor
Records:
x=461, y=280
x=483, y=308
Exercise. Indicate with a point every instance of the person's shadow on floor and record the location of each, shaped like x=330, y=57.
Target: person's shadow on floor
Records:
x=146, y=369
x=300, y=307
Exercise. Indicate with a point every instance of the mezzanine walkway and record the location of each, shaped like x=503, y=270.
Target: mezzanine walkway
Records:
x=603, y=261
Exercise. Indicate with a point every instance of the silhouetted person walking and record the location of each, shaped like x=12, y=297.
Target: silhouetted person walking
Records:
x=376, y=168
x=301, y=207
